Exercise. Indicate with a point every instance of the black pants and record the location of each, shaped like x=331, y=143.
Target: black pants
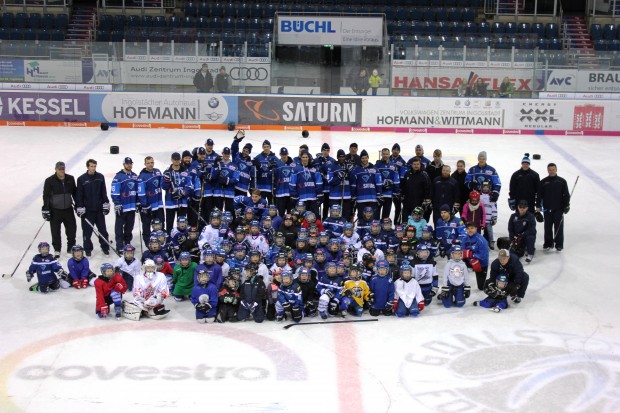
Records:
x=313, y=206
x=98, y=220
x=192, y=214
x=206, y=207
x=146, y=218
x=269, y=197
x=60, y=217
x=171, y=213
x=554, y=222
x=326, y=205
x=123, y=229
x=386, y=208
x=397, y=210
x=284, y=205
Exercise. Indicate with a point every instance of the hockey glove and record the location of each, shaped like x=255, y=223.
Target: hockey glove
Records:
x=512, y=204
x=539, y=217
x=103, y=311
x=566, y=209
x=427, y=204
x=371, y=298
x=61, y=274
x=333, y=305
x=118, y=288
x=328, y=293
x=342, y=175
x=177, y=194
x=421, y=305
x=106, y=208
x=273, y=164
x=29, y=276
x=347, y=293
x=223, y=180
x=203, y=308
x=445, y=292
x=467, y=291
x=387, y=184
x=475, y=264
x=118, y=209
x=467, y=253
x=456, y=209
x=494, y=196
x=493, y=221
x=240, y=135
x=46, y=214
x=515, y=299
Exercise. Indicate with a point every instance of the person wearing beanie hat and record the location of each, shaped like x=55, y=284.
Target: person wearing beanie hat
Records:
x=124, y=191
x=177, y=184
x=265, y=163
x=227, y=178
x=340, y=153
x=249, y=147
x=322, y=161
x=337, y=180
x=391, y=181
x=352, y=156
x=524, y=184
x=150, y=204
x=416, y=188
x=282, y=177
x=522, y=231
x=243, y=162
x=483, y=172
x=186, y=159
x=448, y=229
x=366, y=186
x=508, y=264
x=401, y=167
x=306, y=184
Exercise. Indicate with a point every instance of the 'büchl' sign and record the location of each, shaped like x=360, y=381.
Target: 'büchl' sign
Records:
x=323, y=30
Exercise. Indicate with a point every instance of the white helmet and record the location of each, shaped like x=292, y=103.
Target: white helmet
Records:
x=149, y=268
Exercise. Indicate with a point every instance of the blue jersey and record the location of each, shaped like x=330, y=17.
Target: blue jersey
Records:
x=178, y=189
x=209, y=290
x=149, y=189
x=366, y=184
x=338, y=188
x=227, y=179
x=383, y=290
x=334, y=226
x=78, y=269
x=477, y=175
x=333, y=284
x=215, y=273
x=283, y=173
x=203, y=176
x=264, y=173
x=242, y=202
x=290, y=294
x=389, y=172
x=323, y=163
x=125, y=190
x=306, y=183
x=446, y=232
x=479, y=246
x=246, y=174
x=45, y=267
x=400, y=164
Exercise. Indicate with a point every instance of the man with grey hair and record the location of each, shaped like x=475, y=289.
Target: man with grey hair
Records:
x=59, y=192
x=508, y=264
x=481, y=172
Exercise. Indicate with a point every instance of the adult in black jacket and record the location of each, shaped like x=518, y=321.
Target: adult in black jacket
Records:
x=416, y=188
x=58, y=198
x=524, y=185
x=509, y=265
x=92, y=204
x=459, y=175
x=445, y=191
x=203, y=80
x=554, y=199
x=434, y=168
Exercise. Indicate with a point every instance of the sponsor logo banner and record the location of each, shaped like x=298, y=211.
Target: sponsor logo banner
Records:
x=330, y=30
x=541, y=114
x=598, y=81
x=182, y=73
x=558, y=80
x=275, y=110
x=412, y=77
x=64, y=107
x=53, y=71
x=168, y=108
x=11, y=70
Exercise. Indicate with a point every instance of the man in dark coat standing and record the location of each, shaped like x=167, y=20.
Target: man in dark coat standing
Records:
x=203, y=80
x=524, y=185
x=554, y=199
x=58, y=197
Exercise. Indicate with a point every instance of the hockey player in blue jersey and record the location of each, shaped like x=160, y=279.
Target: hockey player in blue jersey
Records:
x=476, y=253
x=125, y=197
x=258, y=204
x=244, y=166
x=208, y=264
x=522, y=231
x=204, y=297
x=203, y=175
x=276, y=220
x=264, y=165
x=391, y=181
x=428, y=239
x=177, y=186
x=377, y=235
x=329, y=289
x=366, y=186
x=154, y=248
x=425, y=273
x=497, y=294
x=239, y=259
x=382, y=291
x=455, y=287
x=364, y=221
x=447, y=229
x=337, y=180
x=289, y=299
x=79, y=269
x=47, y=269
x=306, y=184
x=481, y=172
x=334, y=223
x=401, y=166
x=228, y=176
x=282, y=178
x=322, y=162
x=150, y=200
x=333, y=253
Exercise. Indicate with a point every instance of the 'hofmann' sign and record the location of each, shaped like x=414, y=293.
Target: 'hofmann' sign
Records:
x=322, y=30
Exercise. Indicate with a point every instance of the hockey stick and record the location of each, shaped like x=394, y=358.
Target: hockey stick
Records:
x=555, y=234
x=197, y=213
x=286, y=327
x=140, y=231
x=27, y=249
x=98, y=234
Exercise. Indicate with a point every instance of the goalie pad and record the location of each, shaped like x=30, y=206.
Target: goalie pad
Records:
x=296, y=314
x=131, y=311
x=157, y=313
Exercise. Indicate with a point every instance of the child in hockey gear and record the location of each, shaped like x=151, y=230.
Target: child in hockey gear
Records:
x=166, y=269
x=209, y=265
x=329, y=289
x=341, y=269
x=47, y=269
x=333, y=250
x=156, y=225
x=491, y=212
x=252, y=294
x=381, y=291
x=363, y=224
x=411, y=233
x=476, y=253
x=183, y=277
x=289, y=299
x=149, y=292
x=220, y=259
x=78, y=267
x=408, y=295
x=272, y=293
x=522, y=232
x=405, y=252
x=334, y=223
x=181, y=226
x=368, y=247
x=309, y=295
x=109, y=289
x=257, y=240
x=425, y=273
x=355, y=292
x=204, y=297
x=191, y=244
x=128, y=266
x=455, y=289
x=497, y=296
x=368, y=266
x=417, y=221
x=399, y=232
x=228, y=301
x=323, y=240
x=447, y=230
x=475, y=211
x=392, y=259
x=428, y=239
x=350, y=238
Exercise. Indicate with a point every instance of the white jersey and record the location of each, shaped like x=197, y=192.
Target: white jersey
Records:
x=408, y=291
x=225, y=269
x=455, y=272
x=148, y=293
x=209, y=235
x=424, y=272
x=133, y=268
x=489, y=207
x=378, y=254
x=263, y=271
x=259, y=243
x=284, y=269
x=352, y=241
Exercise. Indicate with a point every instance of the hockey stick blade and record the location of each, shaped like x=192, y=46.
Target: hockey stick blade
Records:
x=286, y=327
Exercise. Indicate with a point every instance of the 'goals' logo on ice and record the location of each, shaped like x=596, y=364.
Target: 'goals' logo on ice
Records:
x=521, y=370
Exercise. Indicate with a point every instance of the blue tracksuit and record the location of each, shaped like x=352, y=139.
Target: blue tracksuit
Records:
x=264, y=175
x=366, y=184
x=383, y=290
x=306, y=183
x=290, y=294
x=389, y=170
x=203, y=175
x=125, y=190
x=446, y=232
x=338, y=189
x=149, y=189
x=323, y=164
x=78, y=270
x=179, y=180
x=334, y=226
x=228, y=178
x=477, y=175
x=283, y=173
x=215, y=272
x=479, y=247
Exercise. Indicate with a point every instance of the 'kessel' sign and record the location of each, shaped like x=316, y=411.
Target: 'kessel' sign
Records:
x=322, y=30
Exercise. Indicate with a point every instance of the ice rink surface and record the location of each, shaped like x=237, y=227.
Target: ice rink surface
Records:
x=557, y=351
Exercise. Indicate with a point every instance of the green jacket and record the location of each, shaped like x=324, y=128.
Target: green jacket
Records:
x=374, y=81
x=183, y=279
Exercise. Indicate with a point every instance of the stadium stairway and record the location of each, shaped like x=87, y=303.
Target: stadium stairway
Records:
x=578, y=39
x=81, y=23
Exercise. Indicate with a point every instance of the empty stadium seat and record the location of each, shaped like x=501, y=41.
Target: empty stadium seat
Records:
x=510, y=28
x=62, y=21
x=552, y=30
x=484, y=27
x=498, y=28
x=596, y=31
x=49, y=21
x=119, y=22
x=523, y=28
x=203, y=9
x=609, y=32
x=538, y=29
x=190, y=8
x=7, y=20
